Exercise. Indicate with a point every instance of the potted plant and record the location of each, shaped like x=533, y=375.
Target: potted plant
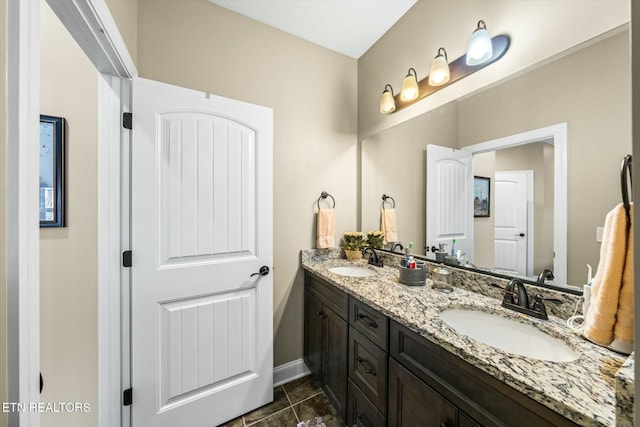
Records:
x=353, y=243
x=375, y=239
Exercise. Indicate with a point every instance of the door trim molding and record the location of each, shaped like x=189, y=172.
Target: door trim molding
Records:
x=556, y=135
x=23, y=224
x=92, y=26
x=113, y=238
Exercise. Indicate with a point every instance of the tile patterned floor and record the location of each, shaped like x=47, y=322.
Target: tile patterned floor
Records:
x=299, y=400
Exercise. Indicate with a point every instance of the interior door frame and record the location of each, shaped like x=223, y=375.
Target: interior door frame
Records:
x=556, y=135
x=92, y=26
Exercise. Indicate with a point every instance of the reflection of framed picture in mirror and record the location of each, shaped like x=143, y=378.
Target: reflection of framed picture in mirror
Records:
x=481, y=187
x=52, y=173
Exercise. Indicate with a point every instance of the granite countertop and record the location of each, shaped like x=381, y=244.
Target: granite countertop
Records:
x=583, y=391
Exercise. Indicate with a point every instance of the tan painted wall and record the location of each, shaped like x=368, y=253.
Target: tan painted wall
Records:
x=484, y=164
x=312, y=91
x=3, y=212
x=68, y=256
x=125, y=13
x=599, y=131
x=539, y=30
x=393, y=163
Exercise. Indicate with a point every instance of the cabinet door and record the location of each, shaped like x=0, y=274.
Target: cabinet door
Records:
x=413, y=403
x=465, y=421
x=313, y=320
x=335, y=360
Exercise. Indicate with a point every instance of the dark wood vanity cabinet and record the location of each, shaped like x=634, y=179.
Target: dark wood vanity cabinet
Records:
x=326, y=339
x=480, y=399
x=377, y=373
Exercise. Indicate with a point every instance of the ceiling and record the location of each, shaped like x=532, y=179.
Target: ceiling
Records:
x=349, y=27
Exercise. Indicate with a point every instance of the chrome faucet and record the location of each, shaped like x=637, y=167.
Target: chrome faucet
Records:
x=546, y=274
x=373, y=258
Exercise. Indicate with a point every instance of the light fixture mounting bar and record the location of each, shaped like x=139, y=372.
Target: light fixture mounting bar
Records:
x=458, y=70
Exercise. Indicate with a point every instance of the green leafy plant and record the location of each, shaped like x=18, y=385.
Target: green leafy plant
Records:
x=375, y=238
x=353, y=240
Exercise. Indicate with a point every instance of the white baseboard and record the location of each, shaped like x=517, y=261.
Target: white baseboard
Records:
x=289, y=371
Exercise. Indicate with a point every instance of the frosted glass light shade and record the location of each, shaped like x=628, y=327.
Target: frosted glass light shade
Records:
x=387, y=103
x=480, y=48
x=439, y=73
x=409, y=90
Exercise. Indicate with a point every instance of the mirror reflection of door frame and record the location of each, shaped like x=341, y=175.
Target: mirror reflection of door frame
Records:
x=556, y=135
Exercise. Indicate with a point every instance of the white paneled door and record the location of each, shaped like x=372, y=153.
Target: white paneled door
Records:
x=450, y=199
x=201, y=320
x=511, y=221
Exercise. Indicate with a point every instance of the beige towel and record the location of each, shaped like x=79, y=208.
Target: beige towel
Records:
x=611, y=304
x=623, y=330
x=326, y=229
x=389, y=226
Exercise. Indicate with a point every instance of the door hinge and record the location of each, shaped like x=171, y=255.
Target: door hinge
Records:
x=127, y=121
x=127, y=397
x=127, y=258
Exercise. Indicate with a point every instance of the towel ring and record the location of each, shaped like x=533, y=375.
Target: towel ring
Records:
x=323, y=196
x=385, y=198
x=625, y=174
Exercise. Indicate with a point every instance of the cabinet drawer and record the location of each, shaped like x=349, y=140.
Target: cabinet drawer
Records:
x=361, y=412
x=333, y=297
x=369, y=322
x=481, y=396
x=368, y=368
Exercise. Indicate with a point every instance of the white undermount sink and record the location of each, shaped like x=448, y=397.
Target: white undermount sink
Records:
x=352, y=271
x=508, y=335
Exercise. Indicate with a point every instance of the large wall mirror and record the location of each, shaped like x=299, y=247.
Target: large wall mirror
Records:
x=573, y=89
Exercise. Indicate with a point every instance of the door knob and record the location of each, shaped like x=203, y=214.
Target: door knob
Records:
x=264, y=270
x=521, y=234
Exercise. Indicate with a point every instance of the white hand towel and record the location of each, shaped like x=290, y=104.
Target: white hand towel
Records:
x=326, y=229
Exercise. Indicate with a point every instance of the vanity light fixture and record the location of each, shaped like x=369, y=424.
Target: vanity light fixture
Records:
x=409, y=90
x=480, y=48
x=481, y=52
x=439, y=73
x=387, y=103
